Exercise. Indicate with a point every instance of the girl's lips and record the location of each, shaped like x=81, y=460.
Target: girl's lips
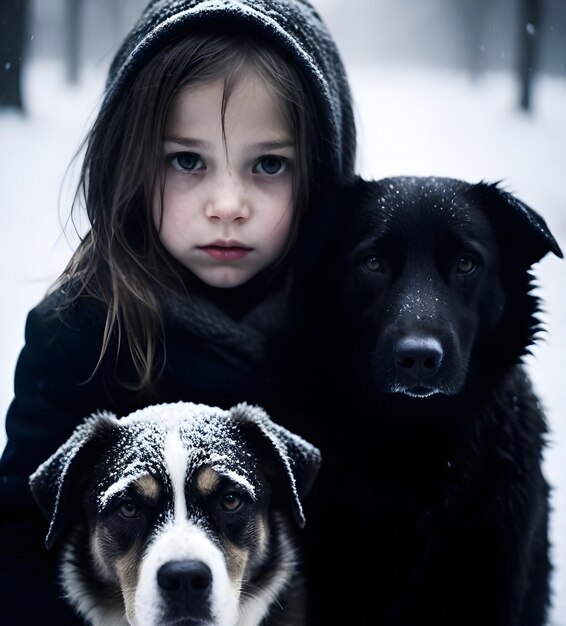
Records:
x=225, y=253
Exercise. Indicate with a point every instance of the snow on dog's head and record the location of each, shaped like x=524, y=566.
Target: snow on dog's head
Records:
x=168, y=513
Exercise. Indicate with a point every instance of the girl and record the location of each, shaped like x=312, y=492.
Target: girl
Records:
x=208, y=176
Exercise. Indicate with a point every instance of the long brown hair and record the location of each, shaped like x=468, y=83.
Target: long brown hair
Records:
x=121, y=260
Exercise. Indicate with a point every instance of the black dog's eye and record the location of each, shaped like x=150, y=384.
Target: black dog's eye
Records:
x=128, y=509
x=232, y=501
x=373, y=263
x=466, y=264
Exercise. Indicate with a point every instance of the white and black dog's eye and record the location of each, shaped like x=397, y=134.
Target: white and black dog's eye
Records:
x=128, y=509
x=373, y=263
x=466, y=264
x=232, y=501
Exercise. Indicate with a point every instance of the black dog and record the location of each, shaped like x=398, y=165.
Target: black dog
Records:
x=432, y=436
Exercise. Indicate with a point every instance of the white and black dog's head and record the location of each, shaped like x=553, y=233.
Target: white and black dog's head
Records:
x=176, y=514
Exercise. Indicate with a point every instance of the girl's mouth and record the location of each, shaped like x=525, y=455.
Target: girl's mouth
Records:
x=226, y=250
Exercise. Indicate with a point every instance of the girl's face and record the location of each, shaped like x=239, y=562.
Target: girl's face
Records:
x=227, y=203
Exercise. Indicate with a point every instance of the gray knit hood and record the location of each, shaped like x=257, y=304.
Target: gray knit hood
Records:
x=298, y=33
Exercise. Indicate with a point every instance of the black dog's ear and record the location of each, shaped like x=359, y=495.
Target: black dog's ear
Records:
x=52, y=484
x=297, y=460
x=526, y=229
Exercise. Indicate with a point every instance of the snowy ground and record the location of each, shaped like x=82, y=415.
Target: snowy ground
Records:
x=410, y=121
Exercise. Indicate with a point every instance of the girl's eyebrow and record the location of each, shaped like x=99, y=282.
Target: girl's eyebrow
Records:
x=187, y=141
x=266, y=146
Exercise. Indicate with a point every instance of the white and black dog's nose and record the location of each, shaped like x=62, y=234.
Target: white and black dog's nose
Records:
x=186, y=587
x=418, y=358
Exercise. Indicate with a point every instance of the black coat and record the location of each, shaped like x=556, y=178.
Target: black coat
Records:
x=208, y=357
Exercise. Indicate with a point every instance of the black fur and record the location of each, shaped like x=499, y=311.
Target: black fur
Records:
x=431, y=488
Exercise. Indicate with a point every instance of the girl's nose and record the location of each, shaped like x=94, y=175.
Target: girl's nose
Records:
x=227, y=201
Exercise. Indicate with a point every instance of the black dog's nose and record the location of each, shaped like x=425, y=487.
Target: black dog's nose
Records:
x=418, y=357
x=185, y=584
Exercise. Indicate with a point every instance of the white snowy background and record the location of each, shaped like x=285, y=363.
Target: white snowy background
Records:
x=411, y=120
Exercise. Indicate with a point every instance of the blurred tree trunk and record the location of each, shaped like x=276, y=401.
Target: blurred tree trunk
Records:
x=13, y=15
x=73, y=14
x=473, y=14
x=529, y=42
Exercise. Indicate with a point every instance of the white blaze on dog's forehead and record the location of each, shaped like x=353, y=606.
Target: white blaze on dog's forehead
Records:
x=173, y=440
x=176, y=461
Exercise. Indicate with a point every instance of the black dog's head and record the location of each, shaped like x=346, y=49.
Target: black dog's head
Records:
x=434, y=282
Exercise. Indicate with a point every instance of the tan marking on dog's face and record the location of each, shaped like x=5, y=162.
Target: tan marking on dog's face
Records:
x=236, y=562
x=238, y=557
x=148, y=487
x=100, y=538
x=127, y=570
x=207, y=481
x=262, y=534
x=122, y=571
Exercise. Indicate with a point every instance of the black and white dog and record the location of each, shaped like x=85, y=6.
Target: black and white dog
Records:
x=179, y=514
x=432, y=436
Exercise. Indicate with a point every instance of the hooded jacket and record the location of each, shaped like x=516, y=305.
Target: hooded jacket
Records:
x=296, y=31
x=212, y=352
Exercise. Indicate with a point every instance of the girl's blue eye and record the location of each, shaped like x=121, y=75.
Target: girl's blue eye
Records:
x=270, y=166
x=188, y=162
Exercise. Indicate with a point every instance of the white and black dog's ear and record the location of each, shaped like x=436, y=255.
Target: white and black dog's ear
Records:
x=296, y=460
x=52, y=484
x=526, y=230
